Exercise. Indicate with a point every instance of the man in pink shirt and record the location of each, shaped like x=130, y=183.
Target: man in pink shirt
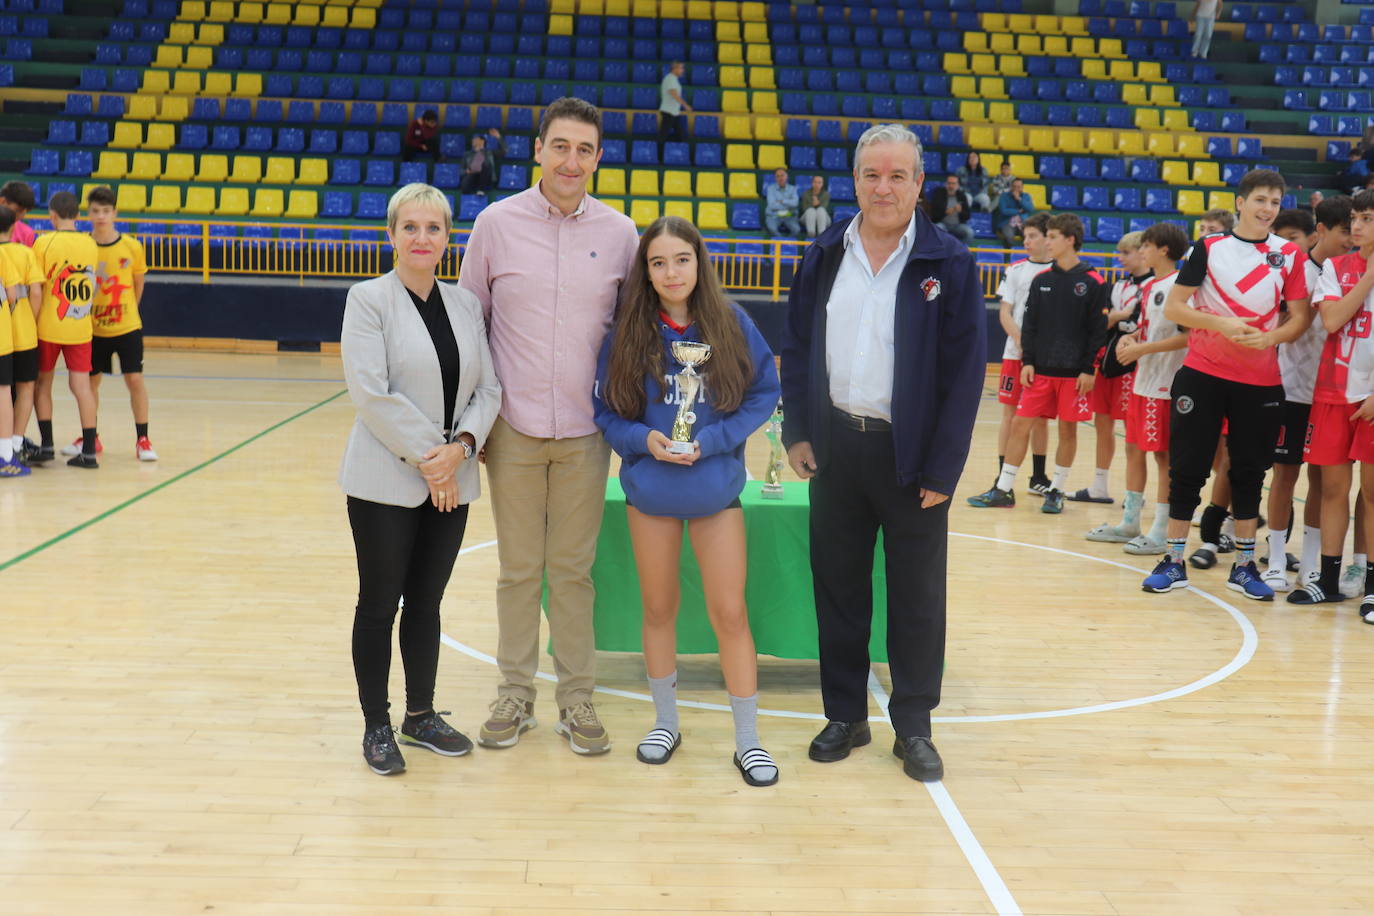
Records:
x=547, y=265
x=18, y=196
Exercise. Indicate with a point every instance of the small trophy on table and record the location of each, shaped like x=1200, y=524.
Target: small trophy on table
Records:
x=690, y=353
x=772, y=477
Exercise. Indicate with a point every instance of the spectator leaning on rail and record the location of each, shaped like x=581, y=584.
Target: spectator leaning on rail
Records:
x=1012, y=209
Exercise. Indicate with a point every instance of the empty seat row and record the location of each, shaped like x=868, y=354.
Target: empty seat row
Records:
x=1317, y=76
x=1136, y=9
x=1267, y=12
x=1339, y=126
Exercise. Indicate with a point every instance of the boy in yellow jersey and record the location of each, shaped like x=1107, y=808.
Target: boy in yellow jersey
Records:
x=67, y=258
x=24, y=325
x=10, y=465
x=118, y=328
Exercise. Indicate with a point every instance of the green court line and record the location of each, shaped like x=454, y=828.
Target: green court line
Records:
x=166, y=483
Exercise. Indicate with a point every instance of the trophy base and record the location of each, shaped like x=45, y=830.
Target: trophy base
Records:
x=771, y=491
x=680, y=448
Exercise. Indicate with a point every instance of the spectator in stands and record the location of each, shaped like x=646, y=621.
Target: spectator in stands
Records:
x=672, y=123
x=974, y=178
x=1204, y=17
x=1355, y=175
x=780, y=209
x=1012, y=209
x=422, y=137
x=479, y=168
x=1313, y=199
x=950, y=207
x=999, y=184
x=18, y=196
x=815, y=208
x=1217, y=220
x=496, y=145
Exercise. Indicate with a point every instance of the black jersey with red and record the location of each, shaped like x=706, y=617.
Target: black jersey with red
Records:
x=1066, y=320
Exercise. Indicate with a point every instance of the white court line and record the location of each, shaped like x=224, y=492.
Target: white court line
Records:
x=978, y=860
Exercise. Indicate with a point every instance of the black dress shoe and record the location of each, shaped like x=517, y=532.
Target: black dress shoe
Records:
x=920, y=760
x=837, y=739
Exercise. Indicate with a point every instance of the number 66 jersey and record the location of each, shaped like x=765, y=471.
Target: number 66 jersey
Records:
x=67, y=258
x=1346, y=375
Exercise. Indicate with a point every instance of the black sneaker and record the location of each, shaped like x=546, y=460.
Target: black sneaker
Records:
x=993, y=499
x=42, y=454
x=1054, y=502
x=381, y=753
x=434, y=733
x=1227, y=544
x=1040, y=484
x=83, y=461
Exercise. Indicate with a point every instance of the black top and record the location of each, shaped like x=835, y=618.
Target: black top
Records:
x=435, y=316
x=1065, y=321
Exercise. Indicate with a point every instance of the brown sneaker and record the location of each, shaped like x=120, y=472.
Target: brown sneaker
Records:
x=580, y=725
x=509, y=717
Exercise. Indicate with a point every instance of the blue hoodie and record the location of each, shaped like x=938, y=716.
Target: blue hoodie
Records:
x=716, y=478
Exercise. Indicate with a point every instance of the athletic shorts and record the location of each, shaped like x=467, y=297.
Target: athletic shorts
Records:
x=1293, y=433
x=1333, y=437
x=76, y=356
x=1147, y=423
x=1052, y=397
x=7, y=369
x=26, y=365
x=1111, y=395
x=1009, y=385
x=128, y=346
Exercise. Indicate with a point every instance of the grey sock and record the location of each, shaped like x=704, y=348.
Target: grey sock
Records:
x=746, y=713
x=664, y=690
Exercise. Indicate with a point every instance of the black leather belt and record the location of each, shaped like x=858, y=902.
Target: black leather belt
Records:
x=862, y=424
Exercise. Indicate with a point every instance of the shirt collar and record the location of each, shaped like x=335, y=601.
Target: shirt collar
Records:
x=851, y=233
x=546, y=207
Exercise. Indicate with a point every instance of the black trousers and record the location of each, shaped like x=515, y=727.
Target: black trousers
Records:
x=1254, y=415
x=672, y=128
x=402, y=553
x=409, y=152
x=474, y=182
x=854, y=497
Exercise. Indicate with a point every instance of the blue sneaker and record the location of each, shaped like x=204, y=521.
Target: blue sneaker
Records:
x=993, y=499
x=1168, y=575
x=1246, y=580
x=14, y=468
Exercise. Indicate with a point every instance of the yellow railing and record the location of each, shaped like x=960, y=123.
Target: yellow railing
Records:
x=765, y=266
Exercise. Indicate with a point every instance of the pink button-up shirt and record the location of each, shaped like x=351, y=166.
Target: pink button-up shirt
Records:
x=548, y=285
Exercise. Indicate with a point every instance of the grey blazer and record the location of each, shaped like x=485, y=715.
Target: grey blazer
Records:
x=394, y=380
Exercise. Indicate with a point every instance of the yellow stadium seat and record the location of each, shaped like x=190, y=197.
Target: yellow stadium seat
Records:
x=181, y=33
x=221, y=11
x=335, y=17
x=563, y=6
x=218, y=84
x=980, y=136
x=768, y=129
x=1111, y=48
x=739, y=155
x=1030, y=45
x=127, y=135
x=156, y=82
x=194, y=10
x=1072, y=141
x=728, y=31
x=175, y=108
x=1037, y=195
x=1011, y=65
x=617, y=7
x=1047, y=24
x=975, y=42
x=1101, y=142
x=160, y=136
x=993, y=161
x=711, y=184
x=610, y=181
x=643, y=212
x=1093, y=69
x=677, y=184
x=733, y=100
x=644, y=183
x=972, y=112
x=1008, y=138
x=1147, y=119
x=131, y=198
x=1073, y=25
x=764, y=102
x=112, y=166
x=711, y=217
x=762, y=78
x=679, y=208
x=1191, y=146
x=1023, y=166
x=726, y=9
x=166, y=199
x=1002, y=43
x=247, y=170
x=1149, y=70
x=536, y=173
x=1123, y=71
x=674, y=9
x=1206, y=174
x=753, y=12
x=168, y=57
x=759, y=54
x=199, y=201
x=1176, y=119
x=737, y=127
x=302, y=205
x=313, y=171
x=1040, y=139
x=308, y=17
x=269, y=201
x=186, y=82
x=1174, y=172
x=1161, y=94
x=1021, y=24
x=179, y=167
x=362, y=18
x=214, y=169
x=963, y=87
x=743, y=186
x=145, y=167
x=1130, y=143
x=249, y=14
x=1082, y=47
x=560, y=25
x=248, y=85
x=772, y=156
x=756, y=33
x=1160, y=145
x=1001, y=113
x=698, y=9
x=591, y=7
x=1056, y=46
x=992, y=87
x=280, y=170
x=1221, y=200
x=1134, y=94
x=199, y=57
x=210, y=33
x=955, y=62
x=994, y=22
x=732, y=77
x=1191, y=203
x=730, y=53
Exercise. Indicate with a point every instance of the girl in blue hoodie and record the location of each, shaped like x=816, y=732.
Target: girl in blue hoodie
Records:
x=673, y=294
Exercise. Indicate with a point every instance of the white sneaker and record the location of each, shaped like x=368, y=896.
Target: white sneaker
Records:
x=1352, y=580
x=145, y=450
x=73, y=449
x=1228, y=527
x=1276, y=579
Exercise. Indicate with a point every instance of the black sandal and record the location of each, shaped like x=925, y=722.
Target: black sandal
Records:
x=659, y=738
x=753, y=759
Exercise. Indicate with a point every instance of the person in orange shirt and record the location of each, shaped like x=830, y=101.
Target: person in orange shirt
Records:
x=24, y=326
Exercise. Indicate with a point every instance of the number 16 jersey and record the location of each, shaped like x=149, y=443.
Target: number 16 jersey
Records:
x=68, y=259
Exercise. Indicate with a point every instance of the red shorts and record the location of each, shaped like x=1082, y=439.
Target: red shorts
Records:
x=1051, y=397
x=76, y=356
x=1009, y=385
x=1111, y=395
x=1334, y=438
x=1147, y=423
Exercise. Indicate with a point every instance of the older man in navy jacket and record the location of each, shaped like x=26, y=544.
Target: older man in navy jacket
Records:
x=882, y=371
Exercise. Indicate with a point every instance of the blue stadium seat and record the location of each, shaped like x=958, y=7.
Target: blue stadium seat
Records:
x=94, y=133
x=644, y=152
x=842, y=188
x=62, y=133
x=1159, y=200
x=1249, y=148
x=1083, y=168
x=257, y=139
x=513, y=178
x=410, y=173
x=1064, y=197
x=42, y=162
x=1109, y=229
x=1052, y=167
x=345, y=171
x=78, y=105
x=745, y=216
x=78, y=163
x=673, y=154
x=268, y=110
x=323, y=142
x=1096, y=197
x=802, y=157
x=1233, y=172
x=1126, y=199
x=380, y=173
x=93, y=79
x=389, y=144
x=828, y=131
x=1113, y=169
x=193, y=137
x=1145, y=170
x=1219, y=147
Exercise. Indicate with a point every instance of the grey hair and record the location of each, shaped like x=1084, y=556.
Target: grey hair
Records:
x=418, y=193
x=889, y=133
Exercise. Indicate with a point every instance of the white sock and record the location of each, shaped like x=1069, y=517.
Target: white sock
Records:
x=1278, y=551
x=17, y=442
x=6, y=450
x=1159, y=529
x=1099, y=484
x=1007, y=479
x=1361, y=560
x=1311, y=552
x=1061, y=479
x=1130, y=509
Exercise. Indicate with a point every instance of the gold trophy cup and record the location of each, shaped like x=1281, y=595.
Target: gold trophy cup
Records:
x=772, y=477
x=690, y=354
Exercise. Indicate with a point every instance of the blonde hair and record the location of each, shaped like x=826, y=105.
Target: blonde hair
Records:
x=418, y=193
x=1131, y=241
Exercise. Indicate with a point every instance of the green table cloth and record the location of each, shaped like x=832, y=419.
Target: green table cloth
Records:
x=782, y=611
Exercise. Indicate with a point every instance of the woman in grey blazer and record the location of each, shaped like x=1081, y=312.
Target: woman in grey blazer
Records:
x=419, y=372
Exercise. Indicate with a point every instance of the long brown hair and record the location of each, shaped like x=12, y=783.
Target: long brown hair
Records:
x=638, y=349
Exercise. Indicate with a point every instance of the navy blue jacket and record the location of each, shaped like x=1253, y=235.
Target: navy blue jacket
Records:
x=716, y=478
x=940, y=339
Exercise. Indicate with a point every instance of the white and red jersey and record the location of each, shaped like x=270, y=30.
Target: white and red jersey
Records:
x=1342, y=375
x=1154, y=374
x=1239, y=278
x=1015, y=288
x=1299, y=359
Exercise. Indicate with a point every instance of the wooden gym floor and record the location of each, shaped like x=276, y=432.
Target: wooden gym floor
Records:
x=179, y=729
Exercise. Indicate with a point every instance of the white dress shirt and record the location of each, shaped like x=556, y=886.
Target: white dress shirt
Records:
x=860, y=324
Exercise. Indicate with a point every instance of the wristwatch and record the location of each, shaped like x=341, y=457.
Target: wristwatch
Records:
x=468, y=450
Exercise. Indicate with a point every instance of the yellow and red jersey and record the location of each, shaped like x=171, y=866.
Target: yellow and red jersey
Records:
x=24, y=325
x=116, y=306
x=68, y=260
